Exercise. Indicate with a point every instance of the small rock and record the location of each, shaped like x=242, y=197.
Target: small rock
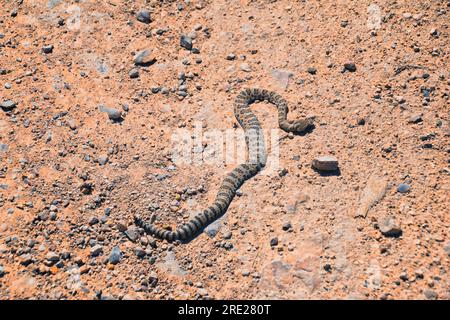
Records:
x=2, y=271
x=350, y=66
x=186, y=42
x=245, y=67
x=287, y=226
x=139, y=252
x=52, y=258
x=8, y=105
x=144, y=16
x=430, y=294
x=115, y=256
x=312, y=70
x=325, y=163
x=93, y=221
x=96, y=250
x=132, y=234
x=389, y=228
x=273, y=242
x=403, y=188
x=113, y=114
x=134, y=73
x=103, y=159
x=415, y=118
x=143, y=57
x=47, y=49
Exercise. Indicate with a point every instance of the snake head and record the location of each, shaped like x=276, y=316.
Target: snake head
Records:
x=303, y=124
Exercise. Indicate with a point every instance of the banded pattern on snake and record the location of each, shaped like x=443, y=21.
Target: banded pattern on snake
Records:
x=234, y=180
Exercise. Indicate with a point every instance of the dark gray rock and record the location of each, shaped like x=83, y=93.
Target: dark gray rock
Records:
x=144, y=16
x=403, y=188
x=113, y=114
x=350, y=66
x=96, y=250
x=186, y=42
x=273, y=242
x=47, y=49
x=143, y=57
x=134, y=73
x=115, y=256
x=312, y=70
x=8, y=105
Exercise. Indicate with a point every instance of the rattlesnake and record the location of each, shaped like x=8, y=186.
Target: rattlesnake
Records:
x=257, y=159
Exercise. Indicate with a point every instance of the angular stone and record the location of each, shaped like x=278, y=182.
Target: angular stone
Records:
x=113, y=114
x=8, y=105
x=144, y=16
x=186, y=42
x=389, y=227
x=326, y=163
x=96, y=250
x=143, y=57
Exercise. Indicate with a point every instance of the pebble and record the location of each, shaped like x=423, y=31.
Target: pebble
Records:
x=115, y=256
x=8, y=105
x=273, y=242
x=389, y=227
x=231, y=57
x=132, y=234
x=350, y=66
x=287, y=226
x=312, y=70
x=186, y=42
x=134, y=73
x=245, y=67
x=2, y=271
x=415, y=118
x=139, y=252
x=52, y=257
x=8, y=85
x=325, y=163
x=143, y=57
x=47, y=49
x=103, y=159
x=93, y=221
x=96, y=250
x=113, y=114
x=430, y=294
x=144, y=16
x=403, y=188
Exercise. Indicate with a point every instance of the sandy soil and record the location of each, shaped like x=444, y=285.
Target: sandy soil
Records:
x=375, y=75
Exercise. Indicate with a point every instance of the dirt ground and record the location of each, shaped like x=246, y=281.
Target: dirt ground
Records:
x=373, y=74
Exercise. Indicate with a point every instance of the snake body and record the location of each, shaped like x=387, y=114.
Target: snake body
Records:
x=234, y=180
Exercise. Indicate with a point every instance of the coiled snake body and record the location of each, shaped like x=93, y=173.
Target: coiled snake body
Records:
x=234, y=180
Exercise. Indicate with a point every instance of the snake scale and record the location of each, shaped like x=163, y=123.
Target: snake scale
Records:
x=256, y=161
